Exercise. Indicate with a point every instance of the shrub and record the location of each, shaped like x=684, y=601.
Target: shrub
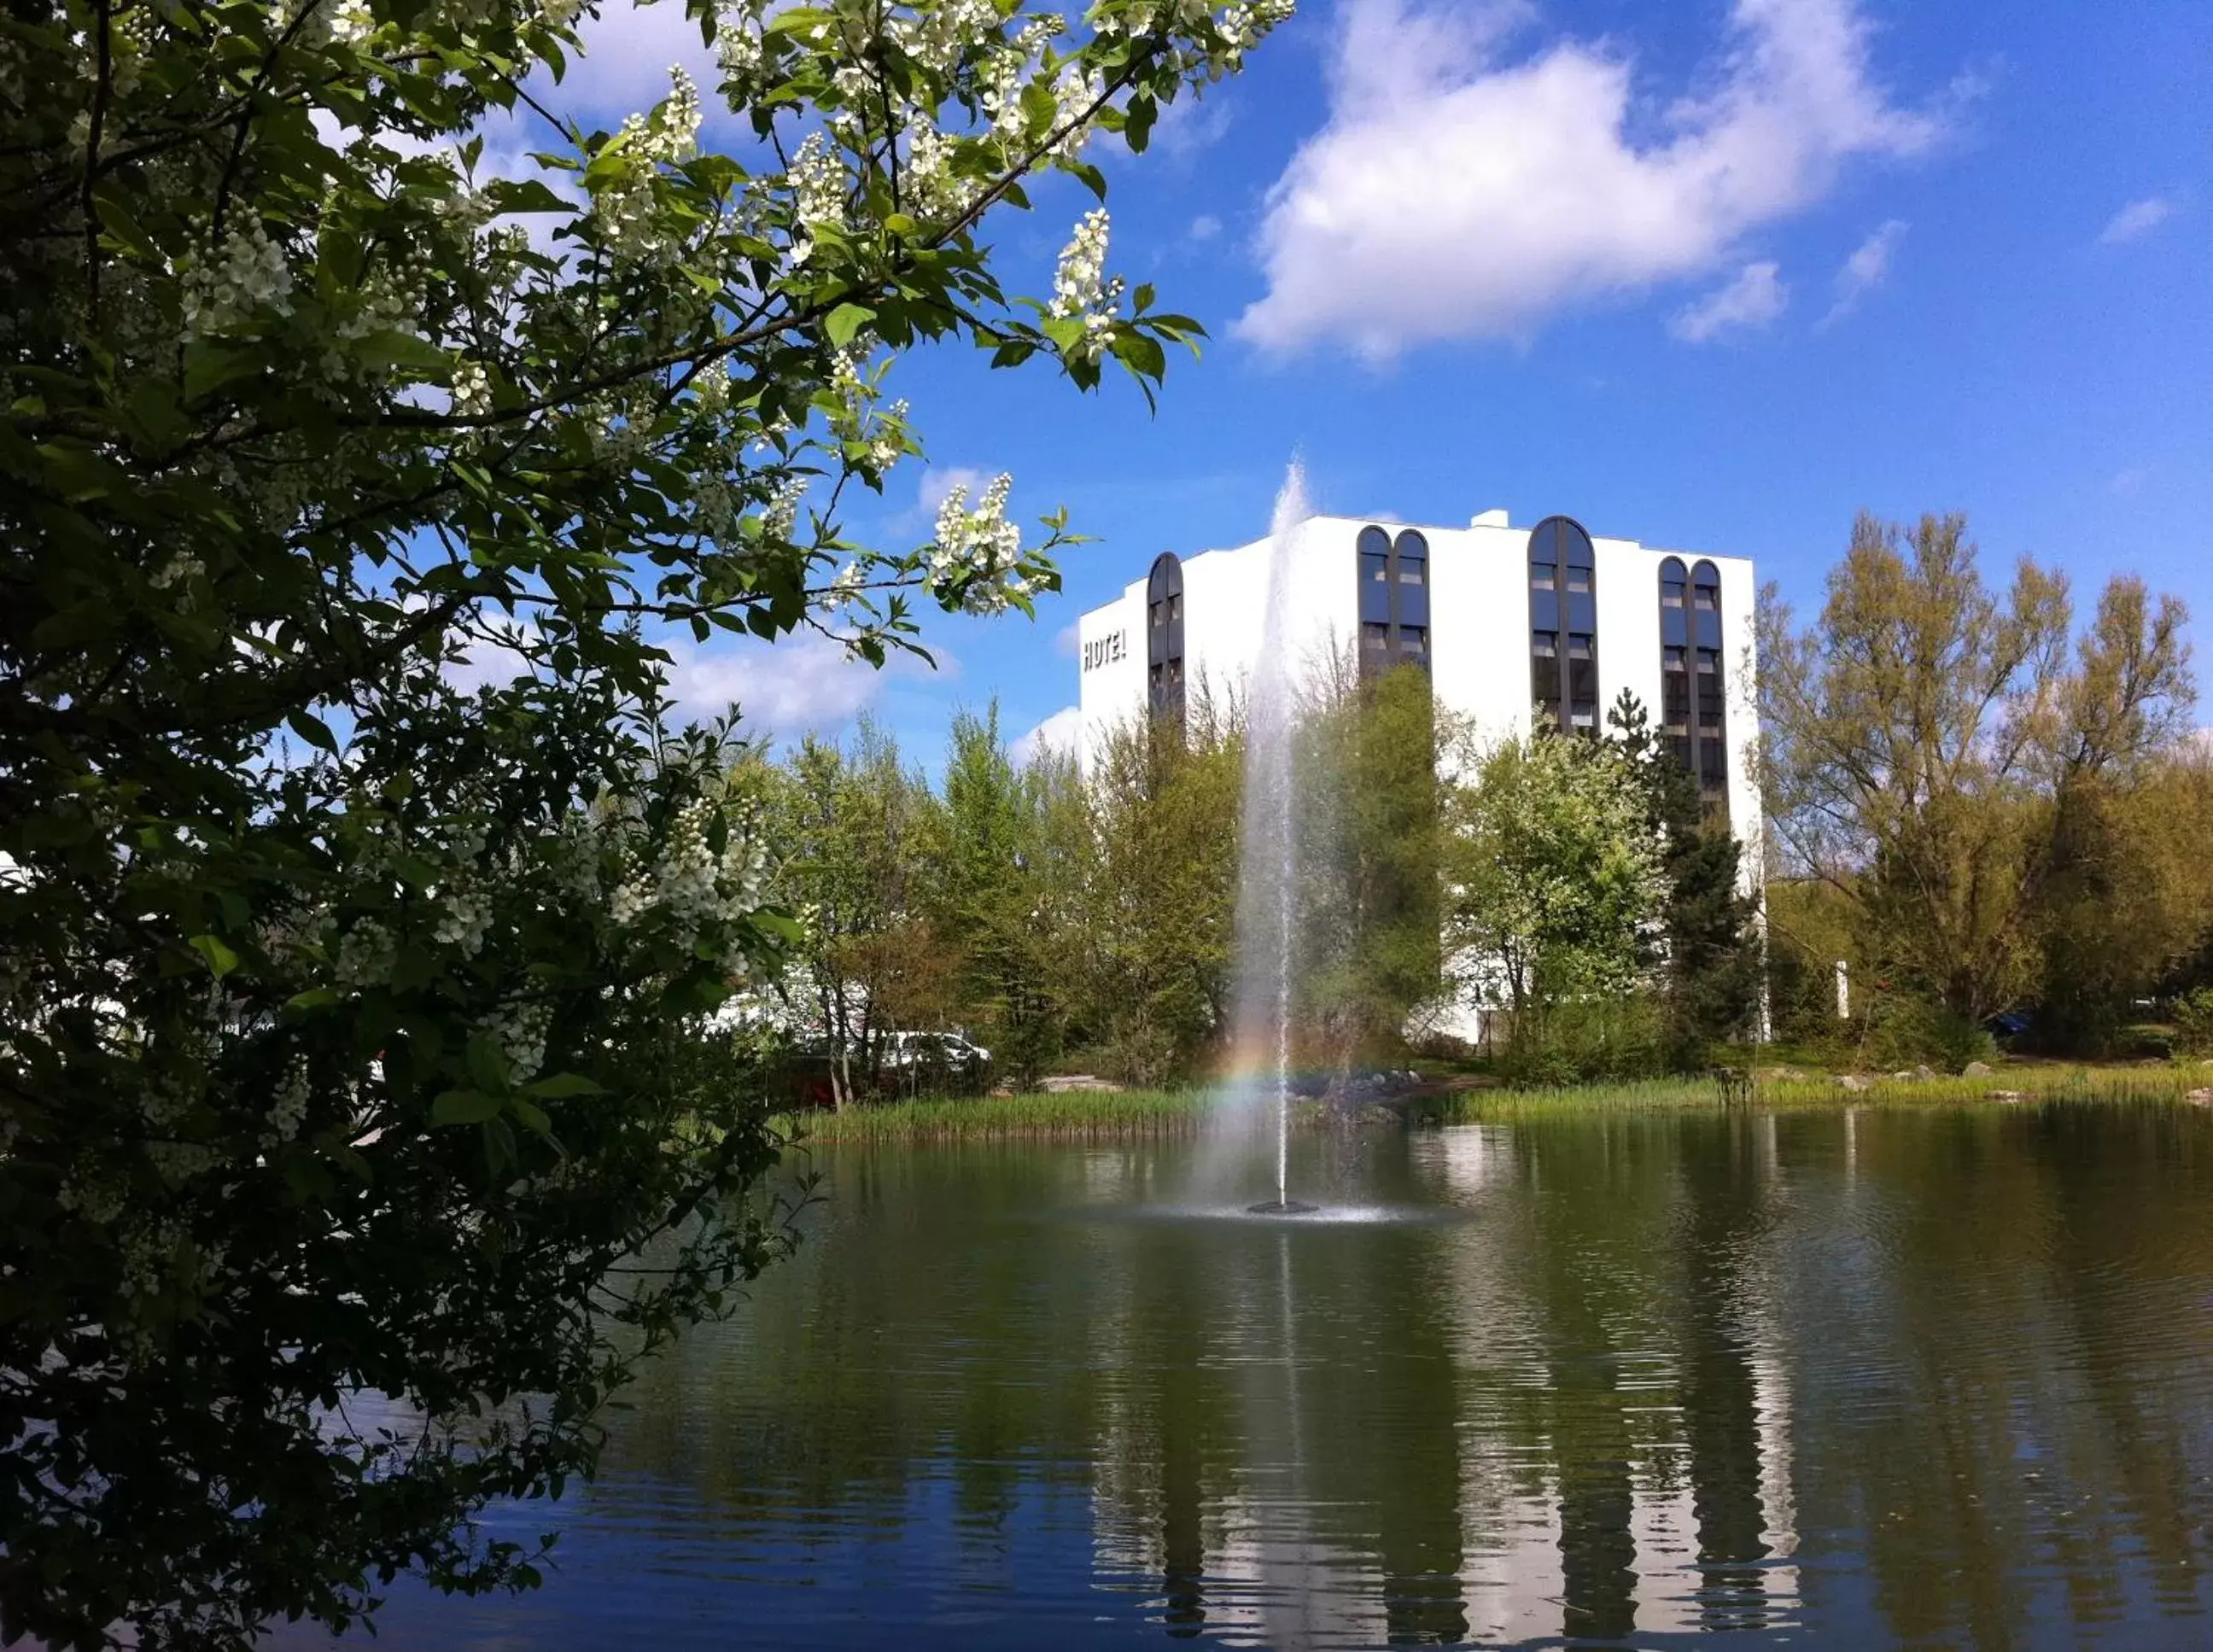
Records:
x=2193, y=1022
x=1904, y=1029
x=1587, y=1040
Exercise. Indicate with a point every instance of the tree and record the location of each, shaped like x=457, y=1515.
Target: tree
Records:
x=1369, y=838
x=1552, y=874
x=1159, y=934
x=849, y=826
x=2129, y=898
x=1710, y=958
x=991, y=881
x=346, y=1037
x=1920, y=740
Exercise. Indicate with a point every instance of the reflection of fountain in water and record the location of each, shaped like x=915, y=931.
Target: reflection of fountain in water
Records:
x=1267, y=861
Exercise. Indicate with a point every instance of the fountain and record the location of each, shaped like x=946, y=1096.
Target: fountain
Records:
x=1267, y=889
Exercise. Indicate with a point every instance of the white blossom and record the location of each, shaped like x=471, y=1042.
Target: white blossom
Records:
x=1079, y=286
x=350, y=20
x=290, y=1106
x=178, y=571
x=177, y=1162
x=1242, y=26
x=938, y=38
x=630, y=901
x=148, y=1252
x=1074, y=97
x=466, y=917
x=366, y=954
x=979, y=552
x=928, y=183
x=520, y=1031
x=625, y=205
x=166, y=1102
x=472, y=389
x=694, y=887
x=845, y=588
x=739, y=47
x=247, y=275
x=98, y=1202
x=780, y=515
x=817, y=181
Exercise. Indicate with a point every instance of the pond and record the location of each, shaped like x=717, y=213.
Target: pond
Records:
x=1938, y=1378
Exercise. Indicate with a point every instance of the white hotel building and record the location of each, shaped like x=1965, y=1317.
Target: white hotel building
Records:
x=1512, y=624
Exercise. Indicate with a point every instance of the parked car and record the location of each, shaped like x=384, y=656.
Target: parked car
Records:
x=921, y=1061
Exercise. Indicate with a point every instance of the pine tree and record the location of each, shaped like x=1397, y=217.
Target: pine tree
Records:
x=1709, y=956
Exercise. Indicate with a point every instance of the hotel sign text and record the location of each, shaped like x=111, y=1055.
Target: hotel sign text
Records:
x=1105, y=650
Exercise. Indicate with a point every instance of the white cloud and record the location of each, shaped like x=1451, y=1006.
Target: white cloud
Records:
x=1058, y=733
x=2128, y=482
x=1754, y=299
x=628, y=51
x=1067, y=640
x=1865, y=269
x=1454, y=194
x=936, y=483
x=1206, y=226
x=932, y=487
x=799, y=686
x=2136, y=220
x=1190, y=125
x=485, y=662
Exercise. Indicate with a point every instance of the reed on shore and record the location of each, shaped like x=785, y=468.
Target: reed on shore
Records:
x=1105, y=1115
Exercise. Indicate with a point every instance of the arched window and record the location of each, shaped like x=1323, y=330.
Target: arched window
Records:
x=1675, y=661
x=1563, y=625
x=1410, y=595
x=1395, y=600
x=1709, y=702
x=1164, y=684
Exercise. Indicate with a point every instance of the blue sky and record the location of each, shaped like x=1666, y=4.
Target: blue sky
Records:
x=1714, y=275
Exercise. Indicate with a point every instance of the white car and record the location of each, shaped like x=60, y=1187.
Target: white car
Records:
x=950, y=1049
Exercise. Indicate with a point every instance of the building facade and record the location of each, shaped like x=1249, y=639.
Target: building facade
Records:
x=1512, y=624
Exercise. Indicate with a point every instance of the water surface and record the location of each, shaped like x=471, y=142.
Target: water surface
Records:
x=1923, y=1378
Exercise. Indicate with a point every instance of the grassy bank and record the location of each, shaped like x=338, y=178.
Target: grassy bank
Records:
x=1822, y=1092
x=1109, y=1115
x=1075, y=1115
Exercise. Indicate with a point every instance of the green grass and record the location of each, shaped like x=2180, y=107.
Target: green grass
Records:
x=2037, y=1082
x=1075, y=1115
x=1113, y=1115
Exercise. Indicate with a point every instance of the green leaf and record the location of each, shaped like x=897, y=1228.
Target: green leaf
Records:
x=464, y=1107
x=1140, y=355
x=220, y=959
x=314, y=998
x=124, y=229
x=530, y=1115
x=561, y=1084
x=78, y=473
x=312, y=728
x=846, y=321
x=487, y=1063
x=209, y=367
x=403, y=350
x=1137, y=123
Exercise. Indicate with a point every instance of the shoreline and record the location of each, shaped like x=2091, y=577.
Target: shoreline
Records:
x=1127, y=1115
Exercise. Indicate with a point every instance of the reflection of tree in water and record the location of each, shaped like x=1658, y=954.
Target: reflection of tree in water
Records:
x=1330, y=1436
x=2138, y=1207
x=1987, y=1342
x=1597, y=1195
x=1723, y=1223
